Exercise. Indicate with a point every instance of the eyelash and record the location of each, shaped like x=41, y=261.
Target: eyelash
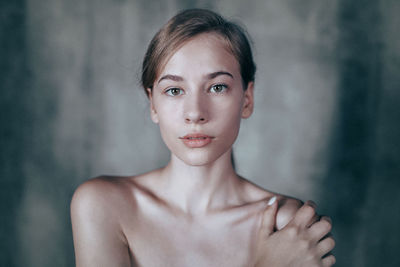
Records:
x=169, y=90
x=224, y=88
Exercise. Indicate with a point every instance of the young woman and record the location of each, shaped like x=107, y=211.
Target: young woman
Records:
x=198, y=73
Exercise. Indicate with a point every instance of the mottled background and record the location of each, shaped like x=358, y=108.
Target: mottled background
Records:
x=326, y=123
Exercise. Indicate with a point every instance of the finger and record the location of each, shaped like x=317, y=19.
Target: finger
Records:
x=325, y=246
x=320, y=229
x=328, y=261
x=305, y=214
x=314, y=219
x=269, y=218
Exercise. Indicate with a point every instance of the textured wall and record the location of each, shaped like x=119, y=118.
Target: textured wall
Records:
x=325, y=125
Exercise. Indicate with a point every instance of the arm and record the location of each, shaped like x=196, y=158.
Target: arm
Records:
x=98, y=237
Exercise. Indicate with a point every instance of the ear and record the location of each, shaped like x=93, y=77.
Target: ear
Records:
x=153, y=112
x=248, y=103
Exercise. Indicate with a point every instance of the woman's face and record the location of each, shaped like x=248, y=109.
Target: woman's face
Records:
x=198, y=100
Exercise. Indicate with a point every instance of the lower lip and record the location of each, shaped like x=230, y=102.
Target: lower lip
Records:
x=196, y=143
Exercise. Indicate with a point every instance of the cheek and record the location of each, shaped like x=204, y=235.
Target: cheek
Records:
x=168, y=133
x=229, y=118
x=167, y=111
x=229, y=109
x=169, y=119
x=167, y=123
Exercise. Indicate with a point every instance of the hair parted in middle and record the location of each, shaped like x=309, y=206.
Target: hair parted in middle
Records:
x=186, y=25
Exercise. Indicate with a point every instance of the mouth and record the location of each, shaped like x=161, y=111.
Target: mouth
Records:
x=196, y=140
x=195, y=136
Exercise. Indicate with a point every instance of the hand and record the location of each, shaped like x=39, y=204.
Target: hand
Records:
x=303, y=242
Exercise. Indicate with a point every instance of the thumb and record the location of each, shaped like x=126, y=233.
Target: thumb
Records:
x=269, y=217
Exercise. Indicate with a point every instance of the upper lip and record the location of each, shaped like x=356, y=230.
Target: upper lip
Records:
x=195, y=135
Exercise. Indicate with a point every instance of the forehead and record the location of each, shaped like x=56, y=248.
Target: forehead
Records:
x=202, y=52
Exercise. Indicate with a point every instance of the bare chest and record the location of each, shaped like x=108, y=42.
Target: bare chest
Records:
x=165, y=240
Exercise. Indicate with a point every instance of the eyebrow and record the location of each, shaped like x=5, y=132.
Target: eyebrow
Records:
x=218, y=73
x=209, y=76
x=174, y=78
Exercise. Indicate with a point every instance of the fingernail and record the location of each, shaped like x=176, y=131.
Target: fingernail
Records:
x=272, y=200
x=327, y=218
x=312, y=204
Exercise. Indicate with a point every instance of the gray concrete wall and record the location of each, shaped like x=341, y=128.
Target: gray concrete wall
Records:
x=325, y=125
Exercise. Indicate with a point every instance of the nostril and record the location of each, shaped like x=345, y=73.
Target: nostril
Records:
x=195, y=119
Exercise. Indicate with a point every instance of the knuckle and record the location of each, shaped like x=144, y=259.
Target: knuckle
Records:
x=292, y=231
x=308, y=257
x=314, y=261
x=304, y=245
x=317, y=263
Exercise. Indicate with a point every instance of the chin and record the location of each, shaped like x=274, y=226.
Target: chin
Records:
x=198, y=157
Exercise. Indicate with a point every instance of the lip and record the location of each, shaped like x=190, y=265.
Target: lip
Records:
x=196, y=140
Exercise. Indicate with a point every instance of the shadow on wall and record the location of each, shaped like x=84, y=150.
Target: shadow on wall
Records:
x=15, y=120
x=359, y=190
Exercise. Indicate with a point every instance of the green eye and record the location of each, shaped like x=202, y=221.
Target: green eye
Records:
x=218, y=88
x=174, y=91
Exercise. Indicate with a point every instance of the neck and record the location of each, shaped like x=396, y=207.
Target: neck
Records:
x=200, y=189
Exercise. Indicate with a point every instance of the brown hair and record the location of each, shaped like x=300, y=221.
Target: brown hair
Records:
x=186, y=25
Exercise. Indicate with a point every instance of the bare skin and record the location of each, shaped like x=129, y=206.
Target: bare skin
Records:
x=130, y=221
x=196, y=211
x=303, y=242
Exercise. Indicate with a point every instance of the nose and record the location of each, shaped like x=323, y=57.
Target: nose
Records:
x=196, y=109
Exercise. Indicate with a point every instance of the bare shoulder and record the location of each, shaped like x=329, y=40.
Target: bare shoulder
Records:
x=288, y=206
x=109, y=195
x=99, y=193
x=96, y=210
x=99, y=202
